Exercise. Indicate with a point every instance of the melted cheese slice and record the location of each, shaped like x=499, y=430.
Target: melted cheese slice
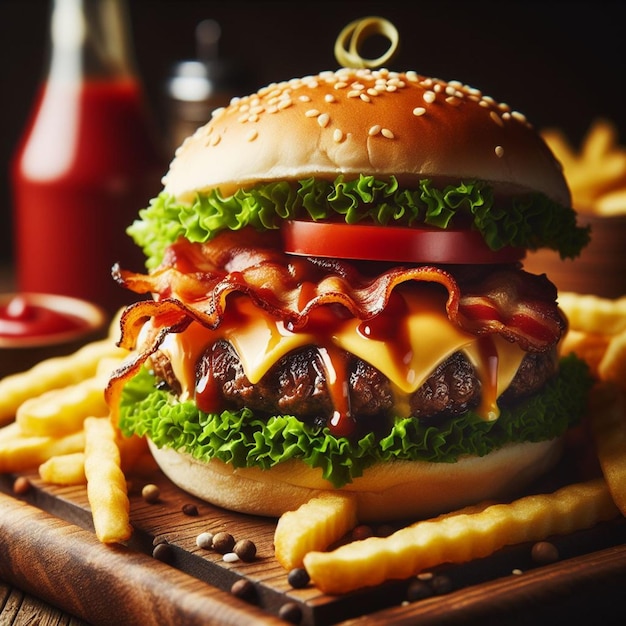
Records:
x=425, y=338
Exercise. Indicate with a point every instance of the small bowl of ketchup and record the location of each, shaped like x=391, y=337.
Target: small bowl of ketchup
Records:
x=36, y=326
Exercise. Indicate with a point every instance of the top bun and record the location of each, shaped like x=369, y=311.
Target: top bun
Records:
x=355, y=121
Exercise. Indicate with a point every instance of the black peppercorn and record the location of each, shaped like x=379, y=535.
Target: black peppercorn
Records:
x=298, y=578
x=190, y=509
x=290, y=612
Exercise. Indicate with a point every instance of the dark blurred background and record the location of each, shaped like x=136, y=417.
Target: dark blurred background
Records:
x=560, y=63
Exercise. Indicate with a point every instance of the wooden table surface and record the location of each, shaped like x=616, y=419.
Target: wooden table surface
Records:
x=19, y=608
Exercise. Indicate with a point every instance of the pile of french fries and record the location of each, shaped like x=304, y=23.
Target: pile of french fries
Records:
x=53, y=419
x=596, y=173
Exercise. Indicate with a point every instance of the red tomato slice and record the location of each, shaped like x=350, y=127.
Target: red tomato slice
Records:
x=391, y=243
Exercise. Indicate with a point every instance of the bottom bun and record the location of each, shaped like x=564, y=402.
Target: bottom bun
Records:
x=387, y=491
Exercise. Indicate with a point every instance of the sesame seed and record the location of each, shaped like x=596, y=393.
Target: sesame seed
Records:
x=363, y=83
x=323, y=120
x=496, y=118
x=252, y=135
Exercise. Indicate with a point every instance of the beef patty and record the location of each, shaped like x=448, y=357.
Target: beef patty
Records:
x=296, y=385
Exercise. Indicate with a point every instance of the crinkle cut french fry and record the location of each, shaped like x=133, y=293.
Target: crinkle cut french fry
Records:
x=10, y=431
x=608, y=427
x=22, y=453
x=594, y=314
x=106, y=484
x=313, y=526
x=611, y=203
x=69, y=469
x=64, y=469
x=62, y=411
x=612, y=367
x=52, y=374
x=459, y=538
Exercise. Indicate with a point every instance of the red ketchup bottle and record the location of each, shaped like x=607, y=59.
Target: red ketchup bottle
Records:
x=89, y=160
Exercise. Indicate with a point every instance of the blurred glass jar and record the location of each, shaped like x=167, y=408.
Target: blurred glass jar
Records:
x=89, y=158
x=197, y=87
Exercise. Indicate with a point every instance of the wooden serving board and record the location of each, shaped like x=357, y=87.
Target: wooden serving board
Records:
x=48, y=548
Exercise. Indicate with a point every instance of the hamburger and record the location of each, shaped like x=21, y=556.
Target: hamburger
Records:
x=336, y=300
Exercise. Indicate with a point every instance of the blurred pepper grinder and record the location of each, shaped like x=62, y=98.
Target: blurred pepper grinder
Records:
x=198, y=86
x=89, y=160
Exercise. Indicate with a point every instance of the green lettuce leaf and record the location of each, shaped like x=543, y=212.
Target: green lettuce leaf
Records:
x=530, y=221
x=243, y=440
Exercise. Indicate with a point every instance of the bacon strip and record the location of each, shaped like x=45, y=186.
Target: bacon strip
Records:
x=195, y=280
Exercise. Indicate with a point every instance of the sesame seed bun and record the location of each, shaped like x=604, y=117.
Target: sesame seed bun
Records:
x=365, y=121
x=383, y=490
